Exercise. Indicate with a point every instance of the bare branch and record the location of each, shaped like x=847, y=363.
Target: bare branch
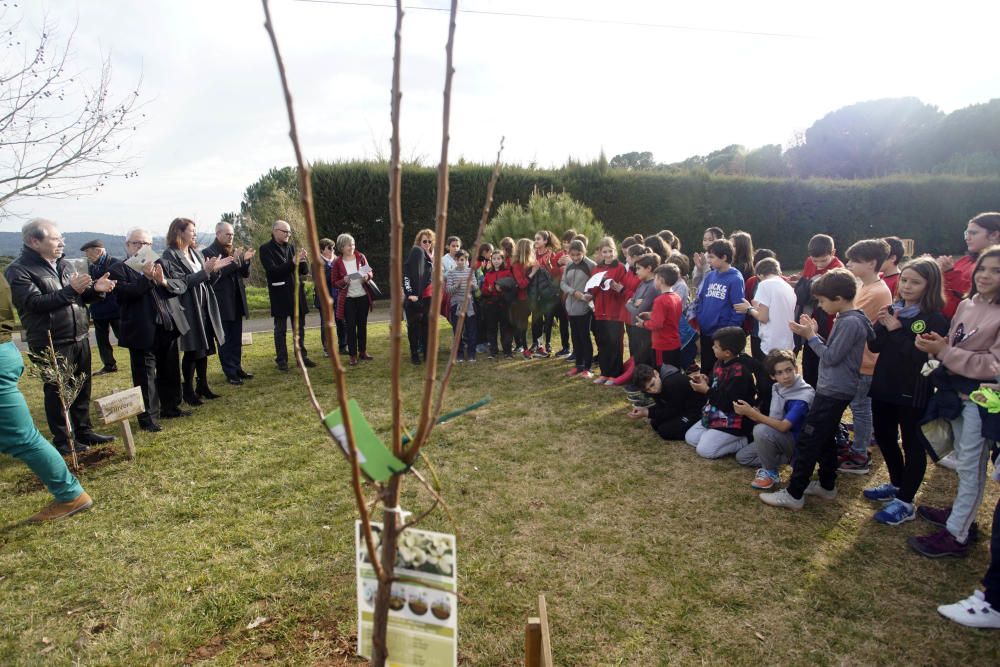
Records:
x=396, y=244
x=305, y=190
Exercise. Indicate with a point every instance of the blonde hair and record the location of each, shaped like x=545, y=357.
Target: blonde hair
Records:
x=524, y=252
x=607, y=242
x=422, y=233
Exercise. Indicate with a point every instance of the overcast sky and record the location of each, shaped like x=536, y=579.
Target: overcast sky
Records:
x=697, y=77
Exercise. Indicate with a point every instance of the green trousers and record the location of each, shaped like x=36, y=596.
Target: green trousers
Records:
x=20, y=438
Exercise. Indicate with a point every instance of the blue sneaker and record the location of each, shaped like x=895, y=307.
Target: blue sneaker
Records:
x=883, y=493
x=895, y=513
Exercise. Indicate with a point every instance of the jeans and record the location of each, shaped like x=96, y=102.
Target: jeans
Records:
x=861, y=408
x=104, y=348
x=583, y=348
x=78, y=355
x=467, y=344
x=817, y=445
x=19, y=437
x=711, y=443
x=971, y=456
x=281, y=345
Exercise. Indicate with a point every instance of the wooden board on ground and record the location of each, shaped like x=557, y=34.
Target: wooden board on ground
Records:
x=118, y=408
x=247, y=338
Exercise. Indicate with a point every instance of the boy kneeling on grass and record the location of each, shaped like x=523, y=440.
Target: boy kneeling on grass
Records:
x=839, y=374
x=675, y=405
x=721, y=430
x=775, y=434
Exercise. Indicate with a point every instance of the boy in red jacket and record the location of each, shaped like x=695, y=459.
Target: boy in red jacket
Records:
x=664, y=320
x=609, y=304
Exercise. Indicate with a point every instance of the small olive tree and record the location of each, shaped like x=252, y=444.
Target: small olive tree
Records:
x=552, y=211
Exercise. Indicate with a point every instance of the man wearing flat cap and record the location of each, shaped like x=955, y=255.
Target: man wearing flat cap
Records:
x=103, y=313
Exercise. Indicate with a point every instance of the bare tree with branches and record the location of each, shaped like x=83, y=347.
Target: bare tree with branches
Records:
x=60, y=134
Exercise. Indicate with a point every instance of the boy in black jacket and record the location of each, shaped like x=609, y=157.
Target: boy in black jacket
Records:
x=721, y=430
x=676, y=406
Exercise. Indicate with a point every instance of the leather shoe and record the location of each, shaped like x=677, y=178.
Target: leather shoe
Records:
x=364, y=356
x=309, y=363
x=173, y=414
x=106, y=370
x=64, y=449
x=234, y=380
x=57, y=510
x=244, y=375
x=91, y=438
x=151, y=427
x=282, y=367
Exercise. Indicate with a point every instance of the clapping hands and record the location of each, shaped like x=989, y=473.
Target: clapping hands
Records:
x=806, y=327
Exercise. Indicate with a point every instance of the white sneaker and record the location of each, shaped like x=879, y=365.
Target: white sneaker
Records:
x=814, y=489
x=972, y=612
x=949, y=462
x=783, y=499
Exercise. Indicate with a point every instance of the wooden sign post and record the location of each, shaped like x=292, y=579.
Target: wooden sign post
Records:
x=118, y=408
x=247, y=338
x=537, y=642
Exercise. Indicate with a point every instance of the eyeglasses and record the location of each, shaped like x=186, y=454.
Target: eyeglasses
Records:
x=138, y=243
x=284, y=231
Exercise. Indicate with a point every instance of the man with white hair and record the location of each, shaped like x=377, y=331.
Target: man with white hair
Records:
x=151, y=319
x=51, y=298
x=231, y=293
x=281, y=261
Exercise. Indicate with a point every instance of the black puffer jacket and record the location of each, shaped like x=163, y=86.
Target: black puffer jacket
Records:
x=46, y=301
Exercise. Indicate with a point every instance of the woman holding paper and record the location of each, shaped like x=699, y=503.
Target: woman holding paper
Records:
x=185, y=261
x=352, y=275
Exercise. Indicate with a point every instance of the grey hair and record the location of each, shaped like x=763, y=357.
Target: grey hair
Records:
x=278, y=222
x=219, y=226
x=342, y=239
x=133, y=230
x=35, y=229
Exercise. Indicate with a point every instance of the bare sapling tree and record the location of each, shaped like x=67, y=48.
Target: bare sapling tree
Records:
x=61, y=132
x=53, y=369
x=387, y=494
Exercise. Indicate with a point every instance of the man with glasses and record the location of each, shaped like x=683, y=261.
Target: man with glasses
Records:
x=280, y=262
x=151, y=319
x=104, y=312
x=231, y=293
x=51, y=299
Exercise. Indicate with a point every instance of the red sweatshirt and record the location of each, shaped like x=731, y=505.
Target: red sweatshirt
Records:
x=521, y=276
x=957, y=282
x=609, y=305
x=664, y=321
x=489, y=290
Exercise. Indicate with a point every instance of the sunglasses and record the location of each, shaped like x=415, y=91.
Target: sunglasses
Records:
x=426, y=241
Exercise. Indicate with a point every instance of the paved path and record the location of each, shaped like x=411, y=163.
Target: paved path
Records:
x=255, y=325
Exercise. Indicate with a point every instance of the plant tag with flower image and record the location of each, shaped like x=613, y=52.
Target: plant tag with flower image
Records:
x=423, y=605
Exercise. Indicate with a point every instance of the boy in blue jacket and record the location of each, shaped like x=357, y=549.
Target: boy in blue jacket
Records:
x=720, y=291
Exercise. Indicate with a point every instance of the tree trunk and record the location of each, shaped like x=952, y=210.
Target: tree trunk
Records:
x=390, y=533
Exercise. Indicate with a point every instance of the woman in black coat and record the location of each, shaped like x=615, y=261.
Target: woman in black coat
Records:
x=186, y=262
x=417, y=290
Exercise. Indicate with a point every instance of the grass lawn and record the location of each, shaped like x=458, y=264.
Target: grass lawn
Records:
x=646, y=553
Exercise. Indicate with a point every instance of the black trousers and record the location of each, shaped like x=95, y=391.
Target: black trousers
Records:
x=816, y=444
x=906, y=466
x=520, y=310
x=281, y=345
x=563, y=318
x=496, y=322
x=339, y=325
x=609, y=347
x=640, y=345
x=583, y=348
x=356, y=323
x=416, y=325
x=707, y=355
x=810, y=366
x=102, y=329
x=541, y=325
x=231, y=352
x=168, y=375
x=78, y=355
x=991, y=580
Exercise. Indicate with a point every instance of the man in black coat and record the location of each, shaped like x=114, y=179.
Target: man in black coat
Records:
x=280, y=262
x=104, y=312
x=51, y=297
x=151, y=319
x=231, y=293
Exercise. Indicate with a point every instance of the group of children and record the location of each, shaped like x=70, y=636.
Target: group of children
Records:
x=899, y=344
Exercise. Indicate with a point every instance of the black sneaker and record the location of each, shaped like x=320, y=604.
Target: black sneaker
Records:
x=563, y=352
x=308, y=363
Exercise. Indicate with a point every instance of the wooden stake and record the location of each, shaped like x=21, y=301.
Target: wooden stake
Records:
x=533, y=642
x=129, y=442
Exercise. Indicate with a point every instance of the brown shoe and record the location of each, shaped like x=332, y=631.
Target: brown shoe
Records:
x=56, y=511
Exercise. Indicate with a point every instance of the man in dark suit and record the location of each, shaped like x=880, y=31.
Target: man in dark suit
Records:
x=231, y=293
x=151, y=320
x=51, y=297
x=104, y=312
x=280, y=262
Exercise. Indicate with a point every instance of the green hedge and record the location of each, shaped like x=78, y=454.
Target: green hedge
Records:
x=780, y=213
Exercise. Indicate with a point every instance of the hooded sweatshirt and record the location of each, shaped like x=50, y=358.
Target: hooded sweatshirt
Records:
x=840, y=354
x=574, y=279
x=718, y=294
x=792, y=403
